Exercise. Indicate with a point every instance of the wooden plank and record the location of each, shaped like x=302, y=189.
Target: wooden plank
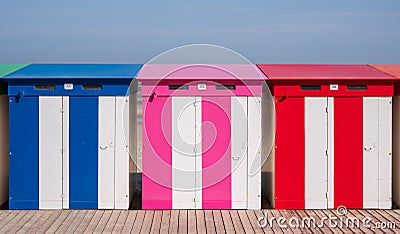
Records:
x=395, y=217
x=31, y=222
x=263, y=213
x=219, y=223
x=103, y=221
x=130, y=221
x=122, y=218
x=46, y=221
x=237, y=224
x=166, y=216
x=18, y=225
x=314, y=224
x=276, y=215
x=11, y=222
x=138, y=221
x=155, y=227
x=183, y=221
x=10, y=215
x=351, y=213
x=209, y=220
x=3, y=216
x=173, y=223
x=192, y=226
x=57, y=222
x=68, y=221
x=287, y=215
x=228, y=224
x=94, y=221
x=78, y=219
x=327, y=228
x=112, y=221
x=244, y=219
x=343, y=229
x=147, y=222
x=251, y=215
x=200, y=221
x=380, y=218
x=86, y=220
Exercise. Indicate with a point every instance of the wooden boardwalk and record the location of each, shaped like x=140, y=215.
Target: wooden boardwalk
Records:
x=192, y=221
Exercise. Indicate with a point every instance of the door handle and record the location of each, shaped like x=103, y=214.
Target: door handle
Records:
x=103, y=147
x=235, y=158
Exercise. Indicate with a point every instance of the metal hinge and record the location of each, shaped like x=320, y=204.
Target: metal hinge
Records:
x=326, y=195
x=62, y=110
x=62, y=150
x=326, y=152
x=326, y=109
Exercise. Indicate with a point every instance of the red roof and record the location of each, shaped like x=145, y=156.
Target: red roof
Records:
x=287, y=72
x=392, y=69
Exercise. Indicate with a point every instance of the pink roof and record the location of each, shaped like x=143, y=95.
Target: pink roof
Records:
x=190, y=72
x=287, y=72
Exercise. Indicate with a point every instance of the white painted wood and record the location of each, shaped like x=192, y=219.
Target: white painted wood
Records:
x=50, y=152
x=331, y=153
x=239, y=152
x=370, y=152
x=183, y=152
x=385, y=153
x=106, y=151
x=65, y=142
x=121, y=153
x=315, y=152
x=4, y=150
x=198, y=160
x=254, y=153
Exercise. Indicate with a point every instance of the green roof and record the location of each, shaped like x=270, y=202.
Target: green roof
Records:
x=6, y=69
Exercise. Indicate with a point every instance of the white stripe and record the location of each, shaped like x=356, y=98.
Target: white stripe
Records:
x=254, y=153
x=198, y=166
x=315, y=152
x=121, y=153
x=65, y=123
x=183, y=152
x=106, y=151
x=370, y=152
x=50, y=153
x=239, y=152
x=385, y=153
x=331, y=153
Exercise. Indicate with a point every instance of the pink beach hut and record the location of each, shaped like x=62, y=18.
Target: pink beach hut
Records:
x=201, y=136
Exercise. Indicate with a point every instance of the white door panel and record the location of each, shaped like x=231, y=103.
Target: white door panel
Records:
x=239, y=152
x=50, y=153
x=106, y=152
x=315, y=152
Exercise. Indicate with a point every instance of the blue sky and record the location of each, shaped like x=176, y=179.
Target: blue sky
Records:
x=264, y=31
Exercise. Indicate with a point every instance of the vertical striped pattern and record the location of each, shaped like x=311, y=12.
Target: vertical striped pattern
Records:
x=289, y=153
x=239, y=152
x=24, y=193
x=83, y=152
x=50, y=153
x=106, y=152
x=331, y=153
x=183, y=153
x=199, y=158
x=65, y=152
x=121, y=183
x=315, y=152
x=254, y=153
x=370, y=152
x=348, y=152
x=385, y=153
x=157, y=153
x=216, y=148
